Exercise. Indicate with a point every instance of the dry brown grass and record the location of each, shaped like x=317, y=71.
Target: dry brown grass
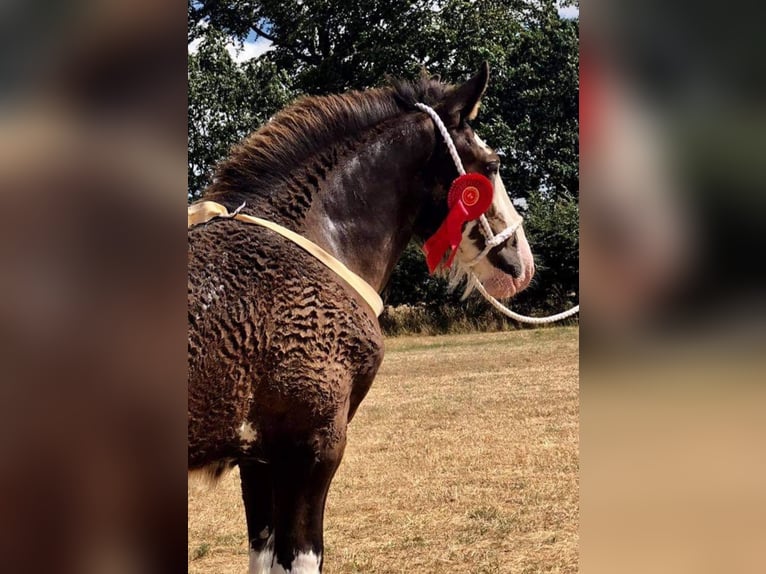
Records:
x=462, y=458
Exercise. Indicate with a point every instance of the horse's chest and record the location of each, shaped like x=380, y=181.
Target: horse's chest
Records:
x=276, y=342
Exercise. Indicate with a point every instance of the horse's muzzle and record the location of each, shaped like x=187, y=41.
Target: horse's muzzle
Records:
x=514, y=269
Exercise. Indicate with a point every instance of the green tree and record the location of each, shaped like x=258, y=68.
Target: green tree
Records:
x=226, y=102
x=552, y=228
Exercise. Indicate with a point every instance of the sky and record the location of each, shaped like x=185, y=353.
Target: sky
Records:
x=569, y=12
x=252, y=47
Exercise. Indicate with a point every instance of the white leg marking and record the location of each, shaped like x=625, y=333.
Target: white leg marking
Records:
x=304, y=563
x=260, y=562
x=247, y=433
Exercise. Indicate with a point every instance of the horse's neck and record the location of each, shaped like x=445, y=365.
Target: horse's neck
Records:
x=365, y=211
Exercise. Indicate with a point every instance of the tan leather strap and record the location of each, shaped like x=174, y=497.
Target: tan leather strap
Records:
x=206, y=210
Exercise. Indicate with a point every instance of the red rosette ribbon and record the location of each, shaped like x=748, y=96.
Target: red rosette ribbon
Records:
x=470, y=195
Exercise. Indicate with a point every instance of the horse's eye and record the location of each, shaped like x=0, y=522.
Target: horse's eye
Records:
x=492, y=167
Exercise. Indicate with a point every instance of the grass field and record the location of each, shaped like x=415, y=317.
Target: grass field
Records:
x=462, y=458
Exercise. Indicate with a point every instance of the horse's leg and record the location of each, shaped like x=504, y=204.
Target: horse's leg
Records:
x=301, y=482
x=257, y=494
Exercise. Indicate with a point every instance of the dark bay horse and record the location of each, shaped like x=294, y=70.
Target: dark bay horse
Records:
x=281, y=349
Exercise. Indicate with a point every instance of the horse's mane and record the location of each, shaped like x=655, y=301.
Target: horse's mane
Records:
x=308, y=126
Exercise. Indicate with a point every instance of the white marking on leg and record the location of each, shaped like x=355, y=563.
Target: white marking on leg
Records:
x=304, y=563
x=247, y=433
x=261, y=562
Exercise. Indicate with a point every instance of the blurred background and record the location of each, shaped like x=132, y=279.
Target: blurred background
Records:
x=672, y=121
x=671, y=362
x=92, y=265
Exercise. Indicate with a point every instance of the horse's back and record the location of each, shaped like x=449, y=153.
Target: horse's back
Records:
x=279, y=350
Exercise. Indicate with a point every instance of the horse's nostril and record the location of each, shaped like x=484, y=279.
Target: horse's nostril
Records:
x=507, y=260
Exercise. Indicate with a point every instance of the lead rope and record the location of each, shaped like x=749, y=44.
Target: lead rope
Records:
x=492, y=240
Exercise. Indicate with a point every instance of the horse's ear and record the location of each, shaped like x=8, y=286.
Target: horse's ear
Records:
x=463, y=102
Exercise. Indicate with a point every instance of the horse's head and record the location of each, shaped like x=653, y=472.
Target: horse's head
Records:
x=507, y=268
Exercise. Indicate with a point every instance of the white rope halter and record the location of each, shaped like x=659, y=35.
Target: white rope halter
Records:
x=491, y=240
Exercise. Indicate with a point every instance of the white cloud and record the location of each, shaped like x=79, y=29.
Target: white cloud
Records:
x=248, y=50
x=239, y=52
x=194, y=45
x=569, y=12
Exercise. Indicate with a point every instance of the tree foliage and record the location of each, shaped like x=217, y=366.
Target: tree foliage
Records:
x=529, y=113
x=226, y=102
x=552, y=229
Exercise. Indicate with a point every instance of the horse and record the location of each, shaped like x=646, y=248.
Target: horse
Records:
x=282, y=349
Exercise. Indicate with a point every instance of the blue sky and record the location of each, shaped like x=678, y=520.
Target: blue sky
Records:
x=252, y=47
